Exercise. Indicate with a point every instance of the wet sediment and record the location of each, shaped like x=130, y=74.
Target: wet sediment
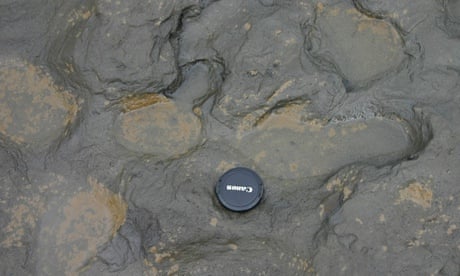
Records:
x=117, y=118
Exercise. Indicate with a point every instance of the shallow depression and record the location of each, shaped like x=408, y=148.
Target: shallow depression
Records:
x=287, y=144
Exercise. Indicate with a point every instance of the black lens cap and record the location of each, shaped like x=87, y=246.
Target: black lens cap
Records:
x=239, y=189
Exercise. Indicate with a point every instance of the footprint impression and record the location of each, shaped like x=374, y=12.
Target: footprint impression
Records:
x=292, y=119
x=296, y=104
x=289, y=92
x=297, y=124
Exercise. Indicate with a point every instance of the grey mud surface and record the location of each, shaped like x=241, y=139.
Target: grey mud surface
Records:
x=118, y=117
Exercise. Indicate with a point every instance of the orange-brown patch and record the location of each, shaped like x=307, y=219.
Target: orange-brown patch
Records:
x=417, y=193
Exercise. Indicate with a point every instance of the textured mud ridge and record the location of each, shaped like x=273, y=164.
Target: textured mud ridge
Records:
x=117, y=118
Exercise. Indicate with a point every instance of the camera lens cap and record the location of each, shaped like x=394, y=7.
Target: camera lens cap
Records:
x=239, y=189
